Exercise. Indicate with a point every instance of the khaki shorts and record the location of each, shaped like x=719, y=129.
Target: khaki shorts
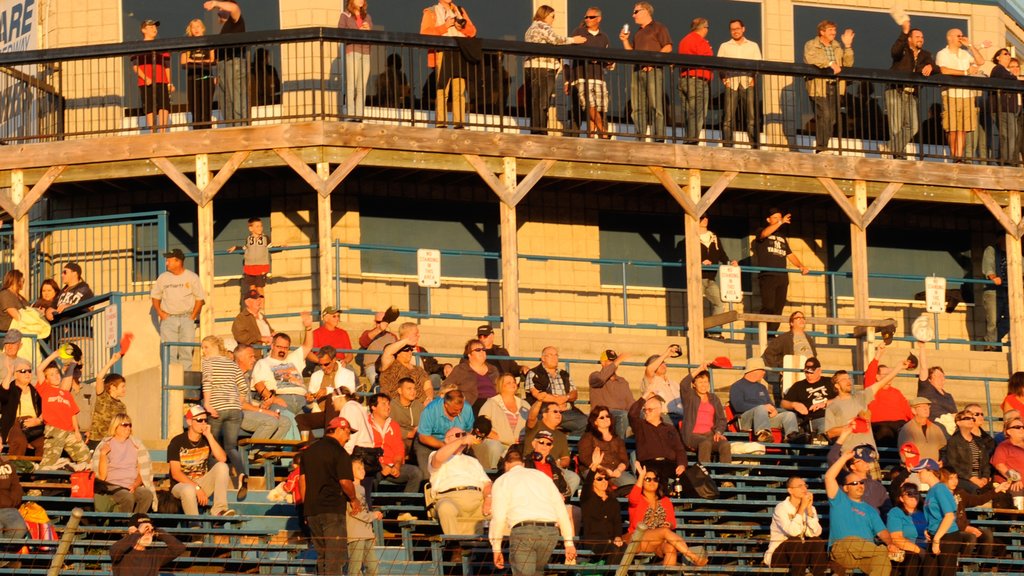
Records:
x=959, y=114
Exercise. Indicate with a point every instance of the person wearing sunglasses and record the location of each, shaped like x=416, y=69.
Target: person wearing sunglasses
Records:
x=1005, y=109
x=123, y=468
x=940, y=510
x=651, y=512
x=461, y=486
x=474, y=376
x=969, y=455
x=251, y=325
x=906, y=523
x=540, y=459
x=193, y=480
x=20, y=420
x=1008, y=458
x=601, y=525
x=854, y=525
x=658, y=445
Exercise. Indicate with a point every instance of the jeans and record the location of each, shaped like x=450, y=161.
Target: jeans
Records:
x=825, y=111
x=12, y=525
x=774, y=289
x=138, y=502
x=997, y=309
x=530, y=548
x=903, y=122
x=225, y=429
x=542, y=91
x=1009, y=154
x=357, y=74
x=757, y=419
x=574, y=422
x=713, y=294
x=214, y=483
x=620, y=422
x=295, y=402
x=647, y=94
x=265, y=426
x=408, y=474
x=330, y=540
x=695, y=94
x=732, y=100
x=179, y=328
x=234, y=84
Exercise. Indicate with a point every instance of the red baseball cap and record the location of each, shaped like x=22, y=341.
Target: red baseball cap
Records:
x=339, y=422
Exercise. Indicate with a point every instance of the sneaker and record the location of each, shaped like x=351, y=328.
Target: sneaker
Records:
x=81, y=466
x=243, y=487
x=226, y=512
x=764, y=436
x=405, y=517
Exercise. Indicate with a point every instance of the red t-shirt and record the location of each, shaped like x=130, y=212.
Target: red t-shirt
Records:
x=337, y=338
x=59, y=407
x=889, y=405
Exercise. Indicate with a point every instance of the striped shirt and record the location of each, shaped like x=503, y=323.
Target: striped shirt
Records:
x=222, y=384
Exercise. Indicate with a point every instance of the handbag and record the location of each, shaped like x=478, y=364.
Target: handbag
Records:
x=83, y=484
x=699, y=483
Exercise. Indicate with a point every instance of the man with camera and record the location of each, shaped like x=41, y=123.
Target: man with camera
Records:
x=134, y=555
x=460, y=484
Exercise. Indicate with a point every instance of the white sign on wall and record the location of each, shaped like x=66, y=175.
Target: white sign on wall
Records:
x=935, y=294
x=428, y=267
x=110, y=324
x=730, y=283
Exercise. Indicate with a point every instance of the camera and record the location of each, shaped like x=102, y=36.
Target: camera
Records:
x=460, y=22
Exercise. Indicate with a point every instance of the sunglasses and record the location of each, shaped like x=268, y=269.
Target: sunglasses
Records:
x=200, y=420
x=326, y=364
x=603, y=417
x=476, y=349
x=1008, y=427
x=600, y=478
x=861, y=482
x=638, y=10
x=459, y=434
x=545, y=442
x=592, y=17
x=651, y=479
x=914, y=495
x=126, y=424
x=24, y=371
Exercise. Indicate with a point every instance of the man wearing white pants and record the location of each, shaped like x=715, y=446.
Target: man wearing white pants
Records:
x=193, y=480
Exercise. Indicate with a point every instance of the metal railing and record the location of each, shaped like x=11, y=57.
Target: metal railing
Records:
x=303, y=74
x=94, y=325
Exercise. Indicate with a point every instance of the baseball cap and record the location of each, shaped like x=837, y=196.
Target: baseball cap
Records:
x=609, y=355
x=721, y=362
x=811, y=364
x=484, y=330
x=339, y=422
x=176, y=253
x=918, y=401
x=865, y=452
x=195, y=412
x=926, y=464
x=543, y=435
x=149, y=22
x=911, y=453
x=13, y=336
x=912, y=361
x=74, y=266
x=139, y=519
x=328, y=311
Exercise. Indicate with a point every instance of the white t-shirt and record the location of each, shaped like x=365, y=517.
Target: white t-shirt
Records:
x=961, y=60
x=343, y=378
x=284, y=376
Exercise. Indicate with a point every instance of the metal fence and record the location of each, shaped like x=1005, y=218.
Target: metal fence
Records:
x=88, y=326
x=306, y=74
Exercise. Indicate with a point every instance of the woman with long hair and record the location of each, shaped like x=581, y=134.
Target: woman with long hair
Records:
x=1014, y=399
x=123, y=469
x=357, y=58
x=601, y=450
x=223, y=389
x=11, y=300
x=601, y=526
x=648, y=506
x=198, y=64
x=46, y=303
x=907, y=524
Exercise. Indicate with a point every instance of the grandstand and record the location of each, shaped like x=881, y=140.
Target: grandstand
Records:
x=555, y=240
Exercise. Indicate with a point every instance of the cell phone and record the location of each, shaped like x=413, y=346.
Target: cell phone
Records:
x=625, y=28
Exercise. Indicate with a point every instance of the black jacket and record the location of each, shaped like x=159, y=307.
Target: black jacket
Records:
x=958, y=455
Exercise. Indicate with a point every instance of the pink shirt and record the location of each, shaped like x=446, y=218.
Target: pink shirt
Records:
x=705, y=418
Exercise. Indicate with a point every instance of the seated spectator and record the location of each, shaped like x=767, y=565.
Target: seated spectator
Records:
x=387, y=436
x=251, y=325
x=12, y=525
x=889, y=408
x=507, y=413
x=223, y=388
x=397, y=361
x=542, y=460
x=657, y=381
x=603, y=451
x=809, y=397
x=460, y=484
x=931, y=384
x=999, y=437
x=193, y=479
x=263, y=420
x=406, y=410
x=110, y=390
x=60, y=417
x=795, y=533
x=1008, y=457
x=331, y=373
x=546, y=382
x=947, y=541
x=135, y=554
x=612, y=391
x=648, y=505
x=123, y=469
x=704, y=423
x=658, y=446
x=547, y=417
x=279, y=376
x=902, y=474
x=854, y=524
x=441, y=415
x=928, y=438
x=968, y=455
x=20, y=419
x=1014, y=399
x=46, y=304
x=329, y=333
x=474, y=377
x=749, y=398
x=485, y=334
x=601, y=526
x=906, y=524
x=852, y=406
x=376, y=339
x=863, y=463
x=980, y=540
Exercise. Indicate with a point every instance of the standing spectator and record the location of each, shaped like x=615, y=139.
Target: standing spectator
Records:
x=547, y=382
x=251, y=325
x=931, y=384
x=11, y=300
x=387, y=436
x=739, y=87
x=969, y=455
x=612, y=391
x=940, y=511
x=485, y=334
x=749, y=398
x=461, y=485
x=359, y=529
x=12, y=525
x=232, y=63
x=223, y=388
x=255, y=257
x=193, y=480
x=772, y=250
x=541, y=71
x=327, y=484
x=177, y=299
x=438, y=418
x=925, y=434
x=854, y=525
x=134, y=555
x=279, y=375
x=74, y=291
x=647, y=82
x=797, y=342
x=711, y=253
x=601, y=525
x=603, y=451
x=406, y=409
x=330, y=333
x=450, y=67
x=903, y=521
x=20, y=418
x=123, y=468
x=47, y=301
x=198, y=64
x=959, y=108
x=910, y=57
x=824, y=52
x=546, y=417
x=60, y=416
x=393, y=88
x=474, y=376
x=648, y=505
x=852, y=406
x=154, y=80
x=264, y=81
x=996, y=297
x=507, y=413
x=357, y=58
x=587, y=76
x=694, y=83
x=704, y=422
x=889, y=409
x=810, y=397
x=657, y=381
x=527, y=507
x=795, y=533
x=658, y=446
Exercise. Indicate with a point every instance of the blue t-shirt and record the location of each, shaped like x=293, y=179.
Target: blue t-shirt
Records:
x=940, y=501
x=849, y=518
x=912, y=527
x=434, y=422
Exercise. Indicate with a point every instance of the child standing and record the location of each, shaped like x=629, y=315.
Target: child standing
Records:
x=256, y=259
x=361, y=556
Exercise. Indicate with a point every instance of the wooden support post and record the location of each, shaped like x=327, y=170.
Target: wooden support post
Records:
x=21, y=239
x=1015, y=285
x=859, y=250
x=694, y=286
x=205, y=229
x=509, y=263
x=325, y=239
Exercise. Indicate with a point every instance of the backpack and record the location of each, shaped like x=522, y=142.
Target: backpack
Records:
x=39, y=526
